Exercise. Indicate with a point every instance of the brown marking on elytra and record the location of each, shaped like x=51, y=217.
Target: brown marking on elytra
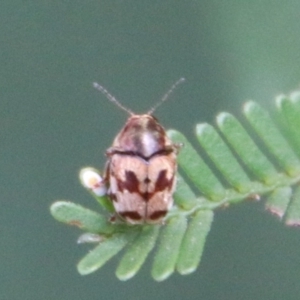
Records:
x=158, y=215
x=146, y=196
x=130, y=184
x=133, y=215
x=147, y=180
x=162, y=181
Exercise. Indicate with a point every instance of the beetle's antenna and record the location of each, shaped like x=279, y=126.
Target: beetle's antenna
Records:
x=111, y=98
x=166, y=96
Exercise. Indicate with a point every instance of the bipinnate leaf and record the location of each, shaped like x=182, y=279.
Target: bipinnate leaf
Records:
x=240, y=164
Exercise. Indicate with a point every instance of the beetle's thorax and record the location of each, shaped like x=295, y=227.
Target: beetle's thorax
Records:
x=142, y=135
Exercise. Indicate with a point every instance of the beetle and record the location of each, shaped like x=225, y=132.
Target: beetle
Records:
x=141, y=166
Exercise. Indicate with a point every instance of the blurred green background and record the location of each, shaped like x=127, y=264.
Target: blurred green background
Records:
x=52, y=123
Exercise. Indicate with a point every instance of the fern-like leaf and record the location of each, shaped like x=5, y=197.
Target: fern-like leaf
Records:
x=247, y=170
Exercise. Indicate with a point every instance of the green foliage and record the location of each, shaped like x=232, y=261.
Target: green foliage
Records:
x=247, y=170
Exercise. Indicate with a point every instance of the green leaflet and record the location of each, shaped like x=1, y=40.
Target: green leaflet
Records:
x=278, y=201
x=246, y=149
x=293, y=211
x=223, y=158
x=196, y=169
x=275, y=142
x=85, y=219
x=193, y=242
x=289, y=111
x=167, y=254
x=246, y=164
x=184, y=196
x=107, y=249
x=137, y=252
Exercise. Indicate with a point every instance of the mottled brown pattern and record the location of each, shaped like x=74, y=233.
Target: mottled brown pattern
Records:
x=141, y=171
x=130, y=137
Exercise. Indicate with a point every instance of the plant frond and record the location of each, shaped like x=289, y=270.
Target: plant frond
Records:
x=264, y=161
